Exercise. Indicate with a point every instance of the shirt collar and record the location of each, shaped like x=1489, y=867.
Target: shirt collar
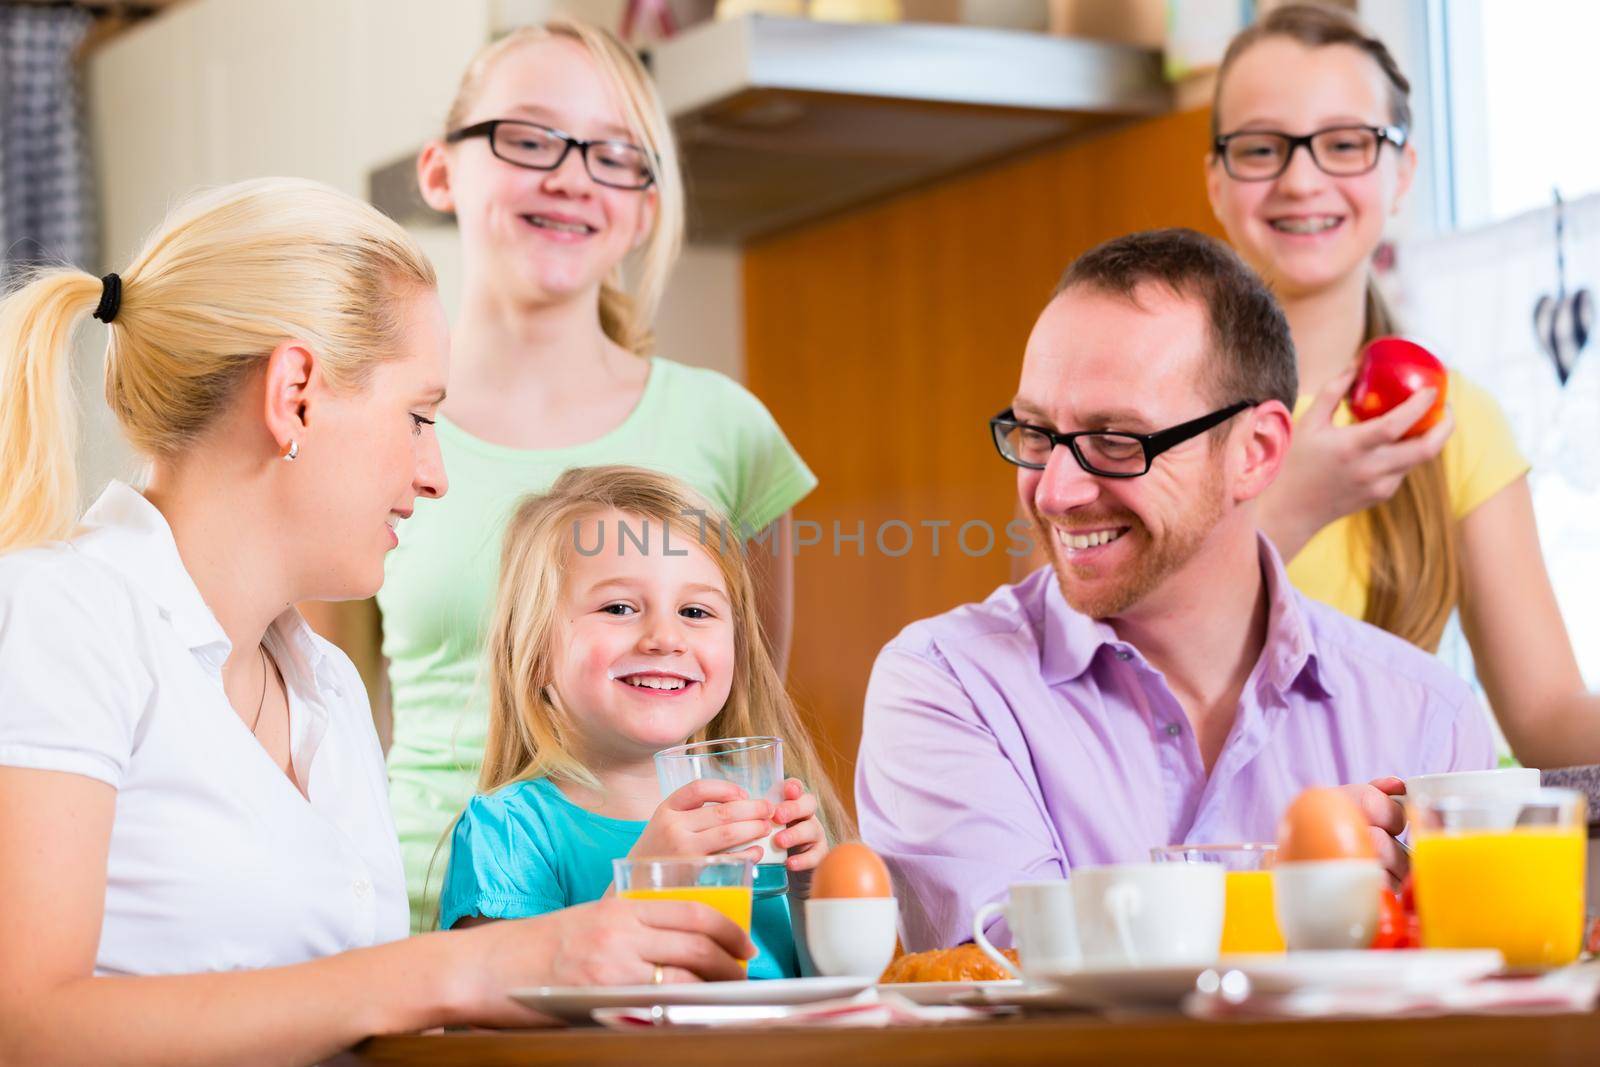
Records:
x=128, y=533
x=1290, y=652
x=1072, y=640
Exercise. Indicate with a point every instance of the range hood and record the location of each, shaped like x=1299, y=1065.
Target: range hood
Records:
x=784, y=121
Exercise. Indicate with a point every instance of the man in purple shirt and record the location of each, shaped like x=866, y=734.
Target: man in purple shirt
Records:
x=1161, y=682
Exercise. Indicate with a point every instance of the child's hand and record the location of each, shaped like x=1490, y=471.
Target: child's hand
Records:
x=802, y=834
x=704, y=818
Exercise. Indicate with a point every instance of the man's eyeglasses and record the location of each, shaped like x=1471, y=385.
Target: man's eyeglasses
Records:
x=1109, y=454
x=1341, y=151
x=618, y=164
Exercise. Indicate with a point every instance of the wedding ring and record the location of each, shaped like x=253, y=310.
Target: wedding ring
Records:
x=659, y=975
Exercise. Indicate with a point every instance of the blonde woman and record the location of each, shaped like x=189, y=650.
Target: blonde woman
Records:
x=558, y=163
x=1312, y=154
x=196, y=855
x=625, y=623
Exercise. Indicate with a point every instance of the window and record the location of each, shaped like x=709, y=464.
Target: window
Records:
x=1519, y=81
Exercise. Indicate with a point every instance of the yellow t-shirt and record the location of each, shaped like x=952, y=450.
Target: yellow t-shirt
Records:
x=1480, y=459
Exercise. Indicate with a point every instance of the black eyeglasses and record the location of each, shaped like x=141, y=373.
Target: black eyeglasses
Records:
x=1110, y=454
x=1341, y=151
x=618, y=164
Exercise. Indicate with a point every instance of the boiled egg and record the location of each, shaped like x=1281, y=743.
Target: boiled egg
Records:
x=1323, y=824
x=851, y=870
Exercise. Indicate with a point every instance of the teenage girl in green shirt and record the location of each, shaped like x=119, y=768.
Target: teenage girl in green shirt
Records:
x=559, y=166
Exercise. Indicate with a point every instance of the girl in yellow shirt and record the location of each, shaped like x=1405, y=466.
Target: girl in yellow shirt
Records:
x=1397, y=532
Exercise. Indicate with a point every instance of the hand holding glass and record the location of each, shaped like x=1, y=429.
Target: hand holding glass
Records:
x=719, y=882
x=755, y=764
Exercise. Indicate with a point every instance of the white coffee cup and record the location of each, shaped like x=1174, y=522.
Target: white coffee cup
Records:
x=1123, y=915
x=1149, y=914
x=1042, y=927
x=851, y=937
x=1496, y=782
x=1504, y=781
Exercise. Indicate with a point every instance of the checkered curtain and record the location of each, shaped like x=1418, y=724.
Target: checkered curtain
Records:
x=46, y=211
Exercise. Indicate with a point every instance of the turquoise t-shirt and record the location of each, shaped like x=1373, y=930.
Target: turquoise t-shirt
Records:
x=526, y=849
x=693, y=423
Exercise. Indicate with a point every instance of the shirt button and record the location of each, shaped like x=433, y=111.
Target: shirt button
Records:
x=1173, y=729
x=361, y=888
x=1124, y=655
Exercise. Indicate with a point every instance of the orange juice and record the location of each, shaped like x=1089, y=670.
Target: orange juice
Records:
x=1248, y=921
x=1520, y=891
x=731, y=900
x=734, y=901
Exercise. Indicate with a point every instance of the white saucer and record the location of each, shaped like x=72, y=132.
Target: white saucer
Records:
x=574, y=1003
x=951, y=992
x=1407, y=970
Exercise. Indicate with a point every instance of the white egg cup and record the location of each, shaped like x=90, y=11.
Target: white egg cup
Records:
x=851, y=937
x=1328, y=904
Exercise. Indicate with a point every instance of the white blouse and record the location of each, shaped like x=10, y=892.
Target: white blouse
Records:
x=110, y=667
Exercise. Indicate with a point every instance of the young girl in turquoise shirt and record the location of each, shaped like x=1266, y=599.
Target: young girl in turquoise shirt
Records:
x=599, y=657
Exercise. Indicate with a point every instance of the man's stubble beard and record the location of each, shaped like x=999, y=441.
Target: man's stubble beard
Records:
x=1151, y=567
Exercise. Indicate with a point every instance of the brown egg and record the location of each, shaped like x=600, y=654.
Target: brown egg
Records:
x=1323, y=824
x=851, y=870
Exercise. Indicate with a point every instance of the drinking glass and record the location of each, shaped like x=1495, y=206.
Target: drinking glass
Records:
x=720, y=882
x=1249, y=922
x=755, y=764
x=1503, y=871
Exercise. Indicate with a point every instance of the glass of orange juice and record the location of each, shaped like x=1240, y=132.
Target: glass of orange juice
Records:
x=720, y=882
x=1249, y=923
x=1501, y=872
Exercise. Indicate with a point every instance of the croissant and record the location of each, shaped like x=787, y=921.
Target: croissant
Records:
x=964, y=963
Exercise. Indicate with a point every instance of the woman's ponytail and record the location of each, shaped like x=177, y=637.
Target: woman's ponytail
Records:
x=230, y=274
x=38, y=472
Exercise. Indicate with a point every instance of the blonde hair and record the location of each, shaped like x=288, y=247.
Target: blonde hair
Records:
x=531, y=736
x=1413, y=543
x=626, y=318
x=228, y=276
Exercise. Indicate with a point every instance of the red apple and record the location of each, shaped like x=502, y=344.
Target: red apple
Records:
x=1393, y=368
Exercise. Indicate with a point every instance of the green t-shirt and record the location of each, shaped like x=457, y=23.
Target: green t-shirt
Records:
x=439, y=584
x=525, y=849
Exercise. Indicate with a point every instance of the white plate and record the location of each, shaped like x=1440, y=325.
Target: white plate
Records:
x=574, y=1003
x=1408, y=970
x=949, y=992
x=1113, y=986
x=1030, y=998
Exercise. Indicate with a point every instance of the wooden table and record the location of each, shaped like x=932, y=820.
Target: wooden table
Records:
x=1520, y=1041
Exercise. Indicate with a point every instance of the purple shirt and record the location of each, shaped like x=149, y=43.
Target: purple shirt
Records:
x=1015, y=739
